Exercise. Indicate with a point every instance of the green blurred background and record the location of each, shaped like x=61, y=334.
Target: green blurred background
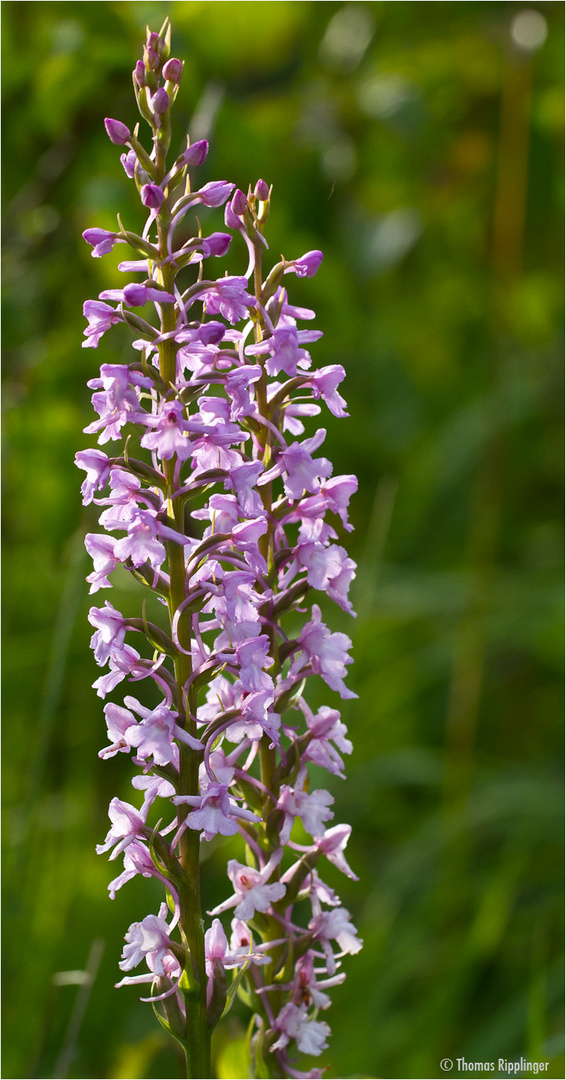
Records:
x=420, y=146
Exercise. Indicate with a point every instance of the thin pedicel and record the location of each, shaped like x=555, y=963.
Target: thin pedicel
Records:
x=217, y=503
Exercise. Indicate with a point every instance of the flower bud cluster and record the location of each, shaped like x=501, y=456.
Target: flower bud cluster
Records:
x=217, y=502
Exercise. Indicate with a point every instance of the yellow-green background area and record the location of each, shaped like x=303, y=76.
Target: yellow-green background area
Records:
x=421, y=150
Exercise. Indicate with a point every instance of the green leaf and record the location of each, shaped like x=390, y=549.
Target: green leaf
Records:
x=168, y=1028
x=233, y=988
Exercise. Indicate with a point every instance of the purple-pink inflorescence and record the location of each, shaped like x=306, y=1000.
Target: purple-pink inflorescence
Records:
x=217, y=502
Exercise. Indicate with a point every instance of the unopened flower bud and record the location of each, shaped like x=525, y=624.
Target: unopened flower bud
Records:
x=239, y=202
x=152, y=59
x=231, y=220
x=217, y=244
x=173, y=70
x=152, y=196
x=139, y=74
x=117, y=132
x=159, y=102
x=195, y=154
x=157, y=50
x=261, y=191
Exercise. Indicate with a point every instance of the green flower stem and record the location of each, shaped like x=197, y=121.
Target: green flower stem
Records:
x=197, y=1041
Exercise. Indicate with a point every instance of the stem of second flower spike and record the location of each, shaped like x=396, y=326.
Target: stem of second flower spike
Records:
x=193, y=983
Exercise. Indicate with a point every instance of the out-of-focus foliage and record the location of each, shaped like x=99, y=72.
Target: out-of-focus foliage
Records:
x=419, y=145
